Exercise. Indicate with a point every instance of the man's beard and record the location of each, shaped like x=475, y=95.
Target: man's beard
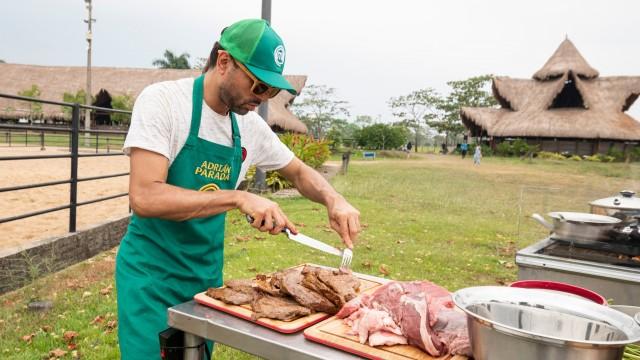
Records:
x=234, y=102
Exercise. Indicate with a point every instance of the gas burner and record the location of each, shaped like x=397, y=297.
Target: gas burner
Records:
x=629, y=234
x=605, y=253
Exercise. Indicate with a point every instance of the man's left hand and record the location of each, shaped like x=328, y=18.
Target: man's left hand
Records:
x=345, y=220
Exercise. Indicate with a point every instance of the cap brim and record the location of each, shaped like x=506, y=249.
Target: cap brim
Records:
x=272, y=79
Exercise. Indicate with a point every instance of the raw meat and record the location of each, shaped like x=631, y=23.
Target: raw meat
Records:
x=423, y=311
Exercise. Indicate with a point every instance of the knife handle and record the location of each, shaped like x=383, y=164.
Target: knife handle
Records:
x=250, y=220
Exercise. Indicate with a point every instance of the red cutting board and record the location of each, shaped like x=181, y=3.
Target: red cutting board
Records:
x=333, y=332
x=287, y=327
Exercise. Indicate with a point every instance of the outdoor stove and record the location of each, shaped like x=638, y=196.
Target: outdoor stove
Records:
x=610, y=268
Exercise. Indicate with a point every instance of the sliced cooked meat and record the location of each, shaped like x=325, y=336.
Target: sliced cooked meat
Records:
x=344, y=285
x=310, y=280
x=280, y=308
x=292, y=285
x=239, y=283
x=233, y=296
x=269, y=284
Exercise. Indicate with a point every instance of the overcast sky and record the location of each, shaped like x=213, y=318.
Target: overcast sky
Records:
x=368, y=50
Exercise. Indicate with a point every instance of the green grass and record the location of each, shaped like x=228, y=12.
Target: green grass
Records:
x=431, y=217
x=34, y=139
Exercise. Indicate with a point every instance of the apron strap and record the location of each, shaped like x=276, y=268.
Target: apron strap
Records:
x=237, y=147
x=196, y=108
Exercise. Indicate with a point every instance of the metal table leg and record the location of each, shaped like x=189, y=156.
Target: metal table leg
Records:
x=193, y=350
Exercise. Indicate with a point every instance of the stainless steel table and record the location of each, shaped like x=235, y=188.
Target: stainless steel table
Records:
x=198, y=322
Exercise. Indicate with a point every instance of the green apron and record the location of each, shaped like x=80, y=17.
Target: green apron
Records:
x=162, y=263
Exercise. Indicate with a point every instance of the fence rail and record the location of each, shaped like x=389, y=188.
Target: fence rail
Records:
x=72, y=133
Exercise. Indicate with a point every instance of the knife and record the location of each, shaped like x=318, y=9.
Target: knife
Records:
x=305, y=240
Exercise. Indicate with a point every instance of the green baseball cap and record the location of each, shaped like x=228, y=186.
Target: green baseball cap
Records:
x=254, y=43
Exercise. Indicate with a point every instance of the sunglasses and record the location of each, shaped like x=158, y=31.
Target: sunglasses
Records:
x=258, y=87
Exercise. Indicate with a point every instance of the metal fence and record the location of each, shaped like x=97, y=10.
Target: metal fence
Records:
x=42, y=135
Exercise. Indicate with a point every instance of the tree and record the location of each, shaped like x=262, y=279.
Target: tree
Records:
x=382, y=136
x=77, y=98
x=121, y=102
x=342, y=132
x=470, y=92
x=318, y=109
x=413, y=109
x=171, y=61
x=364, y=120
x=35, y=108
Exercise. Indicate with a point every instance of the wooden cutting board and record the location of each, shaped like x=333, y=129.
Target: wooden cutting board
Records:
x=333, y=332
x=287, y=327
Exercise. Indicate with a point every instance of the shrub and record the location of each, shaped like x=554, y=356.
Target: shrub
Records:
x=521, y=148
x=517, y=147
x=550, y=155
x=616, y=154
x=599, y=158
x=606, y=158
x=486, y=150
x=312, y=152
x=504, y=149
x=635, y=153
x=575, y=158
x=594, y=158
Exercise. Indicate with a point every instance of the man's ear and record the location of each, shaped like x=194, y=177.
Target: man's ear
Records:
x=224, y=61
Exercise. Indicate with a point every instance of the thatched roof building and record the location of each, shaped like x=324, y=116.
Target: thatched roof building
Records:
x=54, y=81
x=567, y=106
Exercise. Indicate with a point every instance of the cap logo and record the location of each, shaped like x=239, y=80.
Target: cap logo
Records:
x=278, y=55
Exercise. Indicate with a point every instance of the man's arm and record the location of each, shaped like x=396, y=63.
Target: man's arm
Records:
x=343, y=217
x=151, y=196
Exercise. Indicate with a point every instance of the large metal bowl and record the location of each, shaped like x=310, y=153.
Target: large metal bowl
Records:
x=508, y=323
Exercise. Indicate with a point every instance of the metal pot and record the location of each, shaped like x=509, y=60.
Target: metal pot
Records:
x=626, y=206
x=507, y=323
x=579, y=227
x=630, y=310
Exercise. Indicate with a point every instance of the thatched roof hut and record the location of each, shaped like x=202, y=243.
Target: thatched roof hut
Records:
x=54, y=81
x=565, y=101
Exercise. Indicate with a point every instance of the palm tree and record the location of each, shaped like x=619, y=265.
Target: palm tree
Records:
x=171, y=61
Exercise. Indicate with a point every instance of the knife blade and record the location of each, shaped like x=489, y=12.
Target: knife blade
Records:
x=316, y=244
x=305, y=240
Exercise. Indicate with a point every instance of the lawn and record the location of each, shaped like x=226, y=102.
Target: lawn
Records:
x=430, y=217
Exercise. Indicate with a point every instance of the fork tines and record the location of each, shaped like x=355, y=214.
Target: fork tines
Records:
x=347, y=256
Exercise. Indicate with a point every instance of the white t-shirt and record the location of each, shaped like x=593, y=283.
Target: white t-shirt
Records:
x=161, y=121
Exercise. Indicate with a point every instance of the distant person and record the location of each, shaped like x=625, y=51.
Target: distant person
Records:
x=477, y=155
x=464, y=147
x=408, y=148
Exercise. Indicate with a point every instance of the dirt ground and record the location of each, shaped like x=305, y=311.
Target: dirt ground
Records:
x=19, y=233
x=21, y=172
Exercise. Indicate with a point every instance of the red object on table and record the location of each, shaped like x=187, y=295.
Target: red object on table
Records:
x=562, y=287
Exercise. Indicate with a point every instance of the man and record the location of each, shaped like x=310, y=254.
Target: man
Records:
x=464, y=147
x=190, y=144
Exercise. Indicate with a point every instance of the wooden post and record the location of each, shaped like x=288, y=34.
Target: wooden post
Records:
x=345, y=162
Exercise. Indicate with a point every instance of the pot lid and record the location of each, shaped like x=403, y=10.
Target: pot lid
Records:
x=587, y=218
x=625, y=201
x=545, y=316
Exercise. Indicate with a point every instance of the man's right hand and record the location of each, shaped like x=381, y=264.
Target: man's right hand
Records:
x=267, y=215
